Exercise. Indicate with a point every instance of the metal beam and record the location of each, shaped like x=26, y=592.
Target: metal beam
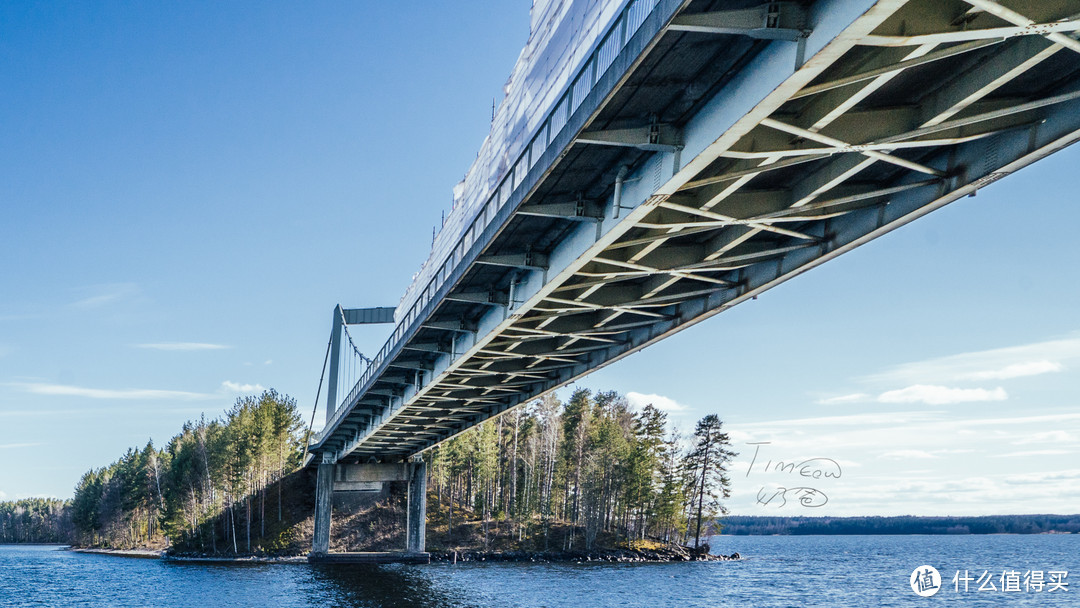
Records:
x=360, y=316
x=528, y=260
x=656, y=138
x=773, y=21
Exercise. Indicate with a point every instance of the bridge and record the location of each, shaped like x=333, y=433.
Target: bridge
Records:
x=703, y=152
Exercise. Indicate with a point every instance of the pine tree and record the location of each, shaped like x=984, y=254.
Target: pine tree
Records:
x=710, y=456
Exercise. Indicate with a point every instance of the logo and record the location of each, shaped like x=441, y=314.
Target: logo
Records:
x=925, y=581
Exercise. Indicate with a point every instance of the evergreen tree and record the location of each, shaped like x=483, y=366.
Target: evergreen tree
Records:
x=710, y=457
x=209, y=468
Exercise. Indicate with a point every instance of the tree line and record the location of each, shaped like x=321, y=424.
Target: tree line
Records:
x=206, y=487
x=593, y=463
x=36, y=520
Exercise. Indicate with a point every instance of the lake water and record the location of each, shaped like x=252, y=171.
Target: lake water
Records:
x=777, y=571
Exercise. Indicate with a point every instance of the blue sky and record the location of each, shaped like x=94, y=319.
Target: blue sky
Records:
x=187, y=191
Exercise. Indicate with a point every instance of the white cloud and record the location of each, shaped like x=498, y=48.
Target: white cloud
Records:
x=1045, y=437
x=1071, y=476
x=660, y=402
x=268, y=362
x=3, y=495
x=919, y=461
x=103, y=393
x=924, y=454
x=868, y=419
x=941, y=395
x=182, y=346
x=1016, y=370
x=236, y=387
x=96, y=301
x=852, y=398
x=1042, y=419
x=1034, y=453
x=907, y=455
x=998, y=363
x=14, y=446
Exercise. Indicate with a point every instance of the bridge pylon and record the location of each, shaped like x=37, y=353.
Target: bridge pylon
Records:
x=358, y=480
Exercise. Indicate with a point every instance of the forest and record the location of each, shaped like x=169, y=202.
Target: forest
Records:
x=209, y=481
x=36, y=520
x=592, y=465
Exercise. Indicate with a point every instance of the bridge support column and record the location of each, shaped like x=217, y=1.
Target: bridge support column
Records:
x=324, y=493
x=415, y=527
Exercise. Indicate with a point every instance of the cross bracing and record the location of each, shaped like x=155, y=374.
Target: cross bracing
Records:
x=710, y=162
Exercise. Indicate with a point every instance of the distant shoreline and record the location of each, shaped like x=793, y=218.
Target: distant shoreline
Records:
x=759, y=525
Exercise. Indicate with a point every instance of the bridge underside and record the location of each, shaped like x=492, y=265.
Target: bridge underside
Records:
x=708, y=166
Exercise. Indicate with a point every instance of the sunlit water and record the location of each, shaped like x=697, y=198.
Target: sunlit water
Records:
x=777, y=571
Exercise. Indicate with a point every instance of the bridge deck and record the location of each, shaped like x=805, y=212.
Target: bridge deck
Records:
x=703, y=167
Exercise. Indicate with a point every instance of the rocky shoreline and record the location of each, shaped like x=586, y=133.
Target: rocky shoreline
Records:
x=671, y=553
x=140, y=553
x=665, y=554
x=236, y=559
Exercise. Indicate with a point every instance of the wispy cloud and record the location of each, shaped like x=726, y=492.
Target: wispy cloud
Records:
x=907, y=455
x=852, y=398
x=923, y=454
x=851, y=420
x=1033, y=453
x=14, y=446
x=184, y=346
x=103, y=295
x=65, y=390
x=1017, y=420
x=1016, y=370
x=1045, y=437
x=660, y=402
x=947, y=446
x=941, y=395
x=994, y=364
x=236, y=387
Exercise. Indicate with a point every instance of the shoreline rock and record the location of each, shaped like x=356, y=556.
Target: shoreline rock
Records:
x=236, y=559
x=664, y=555
x=667, y=554
x=139, y=553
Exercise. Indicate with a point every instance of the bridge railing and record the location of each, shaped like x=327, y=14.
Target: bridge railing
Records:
x=595, y=65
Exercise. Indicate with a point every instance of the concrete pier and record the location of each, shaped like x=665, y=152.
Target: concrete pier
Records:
x=369, y=478
x=324, y=491
x=417, y=509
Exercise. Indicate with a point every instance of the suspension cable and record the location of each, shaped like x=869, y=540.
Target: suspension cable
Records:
x=307, y=437
x=356, y=350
